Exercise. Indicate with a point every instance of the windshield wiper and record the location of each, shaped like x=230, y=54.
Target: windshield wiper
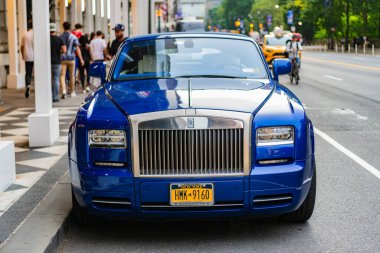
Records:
x=210, y=76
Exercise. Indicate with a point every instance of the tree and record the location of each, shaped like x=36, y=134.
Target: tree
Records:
x=262, y=8
x=234, y=9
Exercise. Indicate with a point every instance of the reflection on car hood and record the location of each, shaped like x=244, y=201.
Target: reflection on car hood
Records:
x=143, y=96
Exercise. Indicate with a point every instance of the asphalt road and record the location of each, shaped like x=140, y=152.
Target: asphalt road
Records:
x=341, y=94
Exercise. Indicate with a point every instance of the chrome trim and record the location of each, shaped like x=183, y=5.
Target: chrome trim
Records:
x=190, y=93
x=111, y=202
x=168, y=206
x=181, y=123
x=272, y=199
x=244, y=118
x=109, y=164
x=275, y=143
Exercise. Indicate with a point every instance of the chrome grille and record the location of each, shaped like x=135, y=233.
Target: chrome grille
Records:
x=191, y=151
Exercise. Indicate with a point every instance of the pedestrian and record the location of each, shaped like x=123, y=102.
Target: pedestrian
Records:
x=78, y=30
x=78, y=33
x=120, y=38
x=68, y=59
x=92, y=36
x=85, y=50
x=98, y=47
x=57, y=47
x=27, y=52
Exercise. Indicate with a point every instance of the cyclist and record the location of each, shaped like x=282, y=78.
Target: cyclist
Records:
x=293, y=49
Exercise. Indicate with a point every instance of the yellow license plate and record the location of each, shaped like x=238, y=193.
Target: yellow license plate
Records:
x=192, y=194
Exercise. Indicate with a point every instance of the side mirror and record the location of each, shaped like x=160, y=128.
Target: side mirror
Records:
x=98, y=70
x=281, y=67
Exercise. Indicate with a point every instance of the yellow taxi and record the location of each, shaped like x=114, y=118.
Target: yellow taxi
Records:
x=274, y=46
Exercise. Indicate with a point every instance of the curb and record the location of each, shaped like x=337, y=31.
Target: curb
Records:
x=46, y=227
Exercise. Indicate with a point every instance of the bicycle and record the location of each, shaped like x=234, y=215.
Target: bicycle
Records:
x=295, y=71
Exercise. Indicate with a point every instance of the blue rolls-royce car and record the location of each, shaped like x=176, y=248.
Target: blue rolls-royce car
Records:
x=191, y=126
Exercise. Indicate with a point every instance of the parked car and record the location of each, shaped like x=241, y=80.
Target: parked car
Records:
x=191, y=126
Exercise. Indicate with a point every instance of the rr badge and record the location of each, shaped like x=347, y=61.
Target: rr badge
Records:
x=190, y=122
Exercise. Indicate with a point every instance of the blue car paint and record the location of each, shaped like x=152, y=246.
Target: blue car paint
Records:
x=270, y=104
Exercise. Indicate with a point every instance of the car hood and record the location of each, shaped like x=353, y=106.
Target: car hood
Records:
x=143, y=96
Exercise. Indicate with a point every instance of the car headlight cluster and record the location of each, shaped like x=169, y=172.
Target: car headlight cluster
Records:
x=267, y=136
x=107, y=138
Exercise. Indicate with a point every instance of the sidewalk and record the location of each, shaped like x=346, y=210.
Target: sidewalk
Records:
x=37, y=169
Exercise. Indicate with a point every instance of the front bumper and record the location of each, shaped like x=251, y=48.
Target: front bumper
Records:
x=267, y=191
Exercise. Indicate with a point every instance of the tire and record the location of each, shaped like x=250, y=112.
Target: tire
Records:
x=296, y=73
x=304, y=212
x=80, y=214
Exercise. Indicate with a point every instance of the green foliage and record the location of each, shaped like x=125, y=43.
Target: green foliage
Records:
x=262, y=8
x=234, y=9
x=312, y=18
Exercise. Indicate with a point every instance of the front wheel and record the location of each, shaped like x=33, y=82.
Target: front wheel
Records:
x=304, y=212
x=81, y=216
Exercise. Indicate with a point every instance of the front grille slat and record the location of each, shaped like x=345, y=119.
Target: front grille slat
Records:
x=191, y=151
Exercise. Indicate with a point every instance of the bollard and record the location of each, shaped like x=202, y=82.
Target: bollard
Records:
x=364, y=48
x=320, y=48
x=356, y=48
x=342, y=49
x=336, y=48
x=8, y=164
x=373, y=49
x=349, y=48
x=325, y=48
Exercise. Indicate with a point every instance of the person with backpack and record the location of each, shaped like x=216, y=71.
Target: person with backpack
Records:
x=293, y=48
x=68, y=59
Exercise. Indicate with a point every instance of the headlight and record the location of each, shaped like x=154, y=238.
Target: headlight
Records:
x=268, y=136
x=107, y=138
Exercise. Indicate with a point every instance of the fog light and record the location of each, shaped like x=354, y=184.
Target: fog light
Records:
x=109, y=164
x=265, y=162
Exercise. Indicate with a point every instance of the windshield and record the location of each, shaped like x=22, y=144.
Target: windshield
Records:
x=277, y=41
x=189, y=57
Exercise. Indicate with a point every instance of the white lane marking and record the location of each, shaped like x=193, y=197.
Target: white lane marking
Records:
x=333, y=77
x=348, y=153
x=359, y=58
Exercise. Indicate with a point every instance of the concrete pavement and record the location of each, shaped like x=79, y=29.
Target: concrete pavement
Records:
x=37, y=169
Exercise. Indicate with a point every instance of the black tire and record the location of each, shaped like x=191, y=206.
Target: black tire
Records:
x=296, y=73
x=304, y=212
x=80, y=215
